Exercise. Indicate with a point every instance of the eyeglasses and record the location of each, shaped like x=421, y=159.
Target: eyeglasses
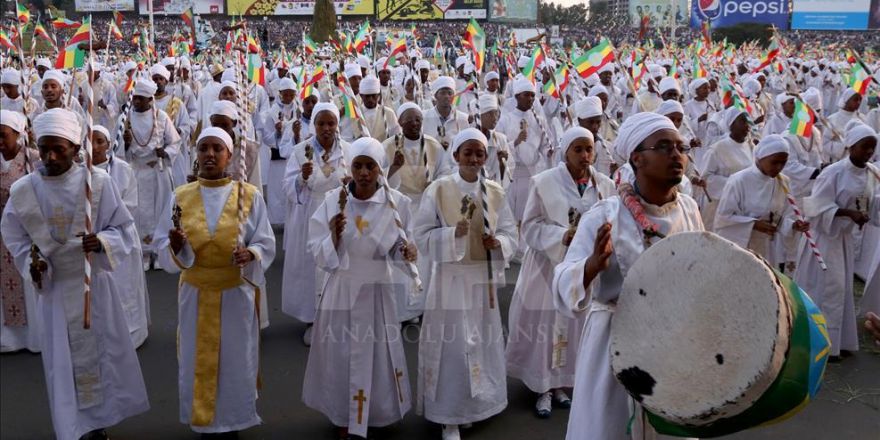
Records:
x=667, y=147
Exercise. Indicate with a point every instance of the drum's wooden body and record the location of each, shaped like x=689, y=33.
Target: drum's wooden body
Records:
x=705, y=332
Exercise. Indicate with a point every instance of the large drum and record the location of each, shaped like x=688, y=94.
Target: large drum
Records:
x=710, y=340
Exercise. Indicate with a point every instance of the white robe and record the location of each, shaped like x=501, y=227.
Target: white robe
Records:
x=839, y=186
x=748, y=196
x=834, y=149
x=600, y=405
x=462, y=377
x=239, y=341
x=543, y=342
x=302, y=280
x=154, y=184
x=273, y=140
x=724, y=158
x=181, y=166
x=50, y=210
x=529, y=157
x=356, y=347
x=804, y=158
x=129, y=273
x=444, y=129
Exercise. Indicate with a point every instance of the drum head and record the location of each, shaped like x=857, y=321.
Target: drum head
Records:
x=701, y=329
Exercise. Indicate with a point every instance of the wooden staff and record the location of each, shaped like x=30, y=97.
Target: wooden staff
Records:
x=797, y=212
x=401, y=231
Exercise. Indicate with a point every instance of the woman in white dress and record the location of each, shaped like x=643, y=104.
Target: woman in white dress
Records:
x=727, y=157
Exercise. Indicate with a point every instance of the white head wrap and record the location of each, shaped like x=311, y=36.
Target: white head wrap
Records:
x=751, y=88
x=10, y=76
x=443, y=82
x=636, y=129
x=144, y=87
x=770, y=145
x=230, y=84
x=730, y=115
x=423, y=64
x=58, y=122
x=13, y=120
x=363, y=62
x=226, y=108
x=286, y=84
x=588, y=107
x=491, y=75
x=103, y=130
x=320, y=108
x=130, y=65
x=408, y=106
x=44, y=62
x=573, y=134
x=228, y=75
x=813, y=98
x=380, y=63
x=847, y=94
x=217, y=133
x=168, y=61
x=370, y=85
x=597, y=90
x=468, y=134
x=352, y=70
x=160, y=70
x=55, y=75
x=523, y=85
x=522, y=61
x=669, y=83
x=367, y=146
x=488, y=102
x=782, y=98
x=669, y=107
x=184, y=63
x=606, y=68
x=856, y=131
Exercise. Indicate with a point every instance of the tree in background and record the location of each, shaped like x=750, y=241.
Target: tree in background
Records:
x=324, y=21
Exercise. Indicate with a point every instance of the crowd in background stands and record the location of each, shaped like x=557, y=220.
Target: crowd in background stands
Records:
x=272, y=31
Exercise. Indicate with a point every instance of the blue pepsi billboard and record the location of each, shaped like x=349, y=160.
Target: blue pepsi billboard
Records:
x=722, y=13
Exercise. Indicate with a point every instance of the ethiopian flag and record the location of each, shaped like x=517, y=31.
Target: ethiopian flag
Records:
x=593, y=60
x=256, y=71
x=71, y=57
x=772, y=52
x=5, y=41
x=23, y=13
x=309, y=45
x=859, y=80
x=699, y=70
x=531, y=69
x=82, y=34
x=802, y=120
x=187, y=16
x=63, y=23
x=475, y=39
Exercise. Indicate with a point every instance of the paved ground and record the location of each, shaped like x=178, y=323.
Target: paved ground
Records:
x=848, y=407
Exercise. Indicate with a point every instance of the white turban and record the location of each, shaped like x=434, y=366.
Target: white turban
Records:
x=363, y=61
x=55, y=75
x=669, y=107
x=523, y=61
x=144, y=87
x=443, y=82
x=573, y=134
x=606, y=68
x=380, y=64
x=669, y=83
x=323, y=107
x=226, y=108
x=468, y=134
x=696, y=84
x=770, y=145
x=160, y=70
x=370, y=85
x=588, y=107
x=286, y=84
x=367, y=146
x=103, y=130
x=488, y=102
x=730, y=115
x=228, y=75
x=636, y=129
x=13, y=120
x=597, y=90
x=459, y=62
x=168, y=61
x=217, y=133
x=423, y=64
x=751, y=88
x=408, y=106
x=184, y=63
x=523, y=85
x=58, y=122
x=656, y=70
x=43, y=62
x=847, y=94
x=352, y=70
x=856, y=131
x=10, y=76
x=130, y=65
x=782, y=98
x=813, y=98
x=491, y=75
